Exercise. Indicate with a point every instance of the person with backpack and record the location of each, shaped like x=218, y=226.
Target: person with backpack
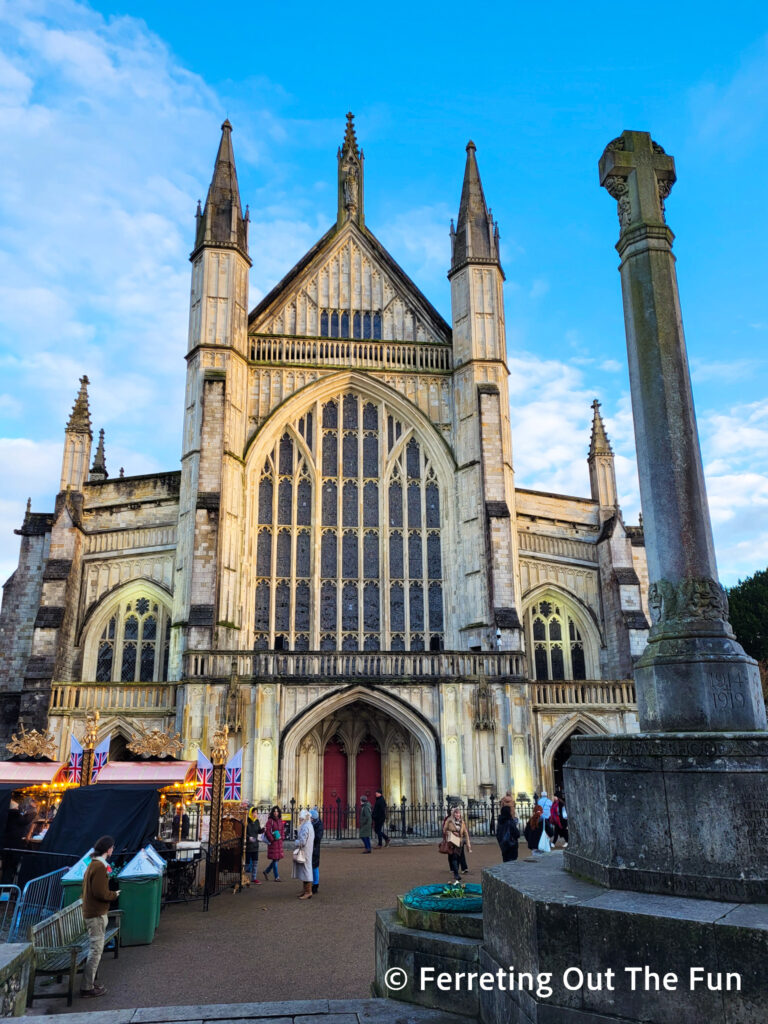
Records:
x=507, y=833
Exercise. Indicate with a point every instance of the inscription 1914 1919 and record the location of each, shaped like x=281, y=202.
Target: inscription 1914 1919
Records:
x=728, y=691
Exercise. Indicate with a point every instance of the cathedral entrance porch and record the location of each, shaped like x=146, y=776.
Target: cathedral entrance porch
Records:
x=352, y=743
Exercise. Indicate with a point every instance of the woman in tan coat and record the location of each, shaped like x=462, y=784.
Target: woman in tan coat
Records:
x=456, y=835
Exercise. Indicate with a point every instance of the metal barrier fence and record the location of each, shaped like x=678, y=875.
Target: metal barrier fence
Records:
x=404, y=821
x=40, y=898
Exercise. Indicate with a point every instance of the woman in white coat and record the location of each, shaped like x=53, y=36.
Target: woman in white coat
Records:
x=302, y=854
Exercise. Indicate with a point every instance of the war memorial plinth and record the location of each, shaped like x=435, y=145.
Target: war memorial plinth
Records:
x=667, y=869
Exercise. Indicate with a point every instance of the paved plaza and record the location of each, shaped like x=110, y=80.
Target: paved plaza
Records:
x=264, y=945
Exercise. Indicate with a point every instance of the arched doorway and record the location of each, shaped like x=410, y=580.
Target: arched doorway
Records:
x=559, y=758
x=386, y=746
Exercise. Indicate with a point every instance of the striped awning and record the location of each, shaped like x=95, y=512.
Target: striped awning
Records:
x=151, y=773
x=29, y=773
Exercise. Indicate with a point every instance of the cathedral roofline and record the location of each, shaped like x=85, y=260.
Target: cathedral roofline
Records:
x=439, y=323
x=551, y=494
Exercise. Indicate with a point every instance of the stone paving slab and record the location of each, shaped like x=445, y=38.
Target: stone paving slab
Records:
x=310, y=1011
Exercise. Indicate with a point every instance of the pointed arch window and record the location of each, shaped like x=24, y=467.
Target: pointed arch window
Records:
x=556, y=643
x=364, y=571
x=134, y=644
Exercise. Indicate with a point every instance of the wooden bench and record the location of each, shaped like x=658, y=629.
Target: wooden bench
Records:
x=61, y=946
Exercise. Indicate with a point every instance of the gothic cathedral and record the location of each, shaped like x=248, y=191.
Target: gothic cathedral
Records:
x=344, y=570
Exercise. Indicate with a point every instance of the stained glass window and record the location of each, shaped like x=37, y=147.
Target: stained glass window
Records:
x=557, y=643
x=133, y=646
x=366, y=574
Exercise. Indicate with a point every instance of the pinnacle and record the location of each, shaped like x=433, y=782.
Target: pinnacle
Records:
x=350, y=139
x=99, y=467
x=599, y=443
x=475, y=236
x=80, y=417
x=220, y=221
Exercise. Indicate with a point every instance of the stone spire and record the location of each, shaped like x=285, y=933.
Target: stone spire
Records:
x=80, y=417
x=77, y=442
x=99, y=467
x=602, y=472
x=221, y=223
x=599, y=443
x=475, y=238
x=350, y=158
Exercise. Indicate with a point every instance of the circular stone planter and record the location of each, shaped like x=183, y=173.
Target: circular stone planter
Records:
x=427, y=897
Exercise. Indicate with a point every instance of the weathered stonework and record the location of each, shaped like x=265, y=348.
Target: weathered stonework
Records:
x=334, y=604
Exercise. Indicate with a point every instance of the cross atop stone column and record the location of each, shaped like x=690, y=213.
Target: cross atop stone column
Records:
x=639, y=175
x=693, y=675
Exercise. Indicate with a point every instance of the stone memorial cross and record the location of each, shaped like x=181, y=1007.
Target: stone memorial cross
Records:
x=693, y=676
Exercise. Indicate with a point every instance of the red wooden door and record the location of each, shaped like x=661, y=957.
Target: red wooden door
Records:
x=368, y=771
x=334, y=783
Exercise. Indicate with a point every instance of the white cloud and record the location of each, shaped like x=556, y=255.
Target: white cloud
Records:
x=728, y=115
x=418, y=239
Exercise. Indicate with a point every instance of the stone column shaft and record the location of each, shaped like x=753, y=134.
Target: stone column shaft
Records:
x=693, y=675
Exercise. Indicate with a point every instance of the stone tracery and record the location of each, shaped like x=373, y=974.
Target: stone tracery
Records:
x=348, y=547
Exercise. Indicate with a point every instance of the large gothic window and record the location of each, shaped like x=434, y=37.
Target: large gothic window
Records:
x=348, y=546
x=555, y=641
x=133, y=646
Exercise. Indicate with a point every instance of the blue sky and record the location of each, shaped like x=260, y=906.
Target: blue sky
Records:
x=109, y=119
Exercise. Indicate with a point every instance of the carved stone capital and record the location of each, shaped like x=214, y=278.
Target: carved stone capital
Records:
x=688, y=599
x=616, y=185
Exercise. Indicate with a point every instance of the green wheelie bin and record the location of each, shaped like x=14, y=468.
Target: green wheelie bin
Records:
x=162, y=865
x=72, y=881
x=140, y=883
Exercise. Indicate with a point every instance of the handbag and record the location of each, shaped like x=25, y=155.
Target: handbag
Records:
x=543, y=842
x=299, y=856
x=444, y=847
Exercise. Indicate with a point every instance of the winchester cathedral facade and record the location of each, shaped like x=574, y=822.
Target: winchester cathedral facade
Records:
x=345, y=569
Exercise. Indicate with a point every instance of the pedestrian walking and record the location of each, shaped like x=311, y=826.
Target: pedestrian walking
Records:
x=317, y=825
x=274, y=832
x=379, y=818
x=456, y=838
x=97, y=899
x=534, y=830
x=546, y=813
x=302, y=854
x=507, y=833
x=507, y=800
x=253, y=830
x=366, y=821
x=559, y=817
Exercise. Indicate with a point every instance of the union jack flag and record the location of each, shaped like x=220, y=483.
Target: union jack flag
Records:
x=204, y=778
x=75, y=762
x=100, y=758
x=233, y=777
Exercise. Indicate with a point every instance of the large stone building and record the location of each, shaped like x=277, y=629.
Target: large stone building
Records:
x=344, y=569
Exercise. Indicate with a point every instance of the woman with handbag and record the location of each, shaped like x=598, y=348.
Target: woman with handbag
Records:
x=455, y=838
x=302, y=854
x=273, y=829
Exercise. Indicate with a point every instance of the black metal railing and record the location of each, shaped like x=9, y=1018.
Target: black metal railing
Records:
x=404, y=820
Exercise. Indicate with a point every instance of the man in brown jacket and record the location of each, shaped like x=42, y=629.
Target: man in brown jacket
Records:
x=97, y=898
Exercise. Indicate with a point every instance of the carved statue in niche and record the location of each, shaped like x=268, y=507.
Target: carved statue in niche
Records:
x=484, y=718
x=350, y=187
